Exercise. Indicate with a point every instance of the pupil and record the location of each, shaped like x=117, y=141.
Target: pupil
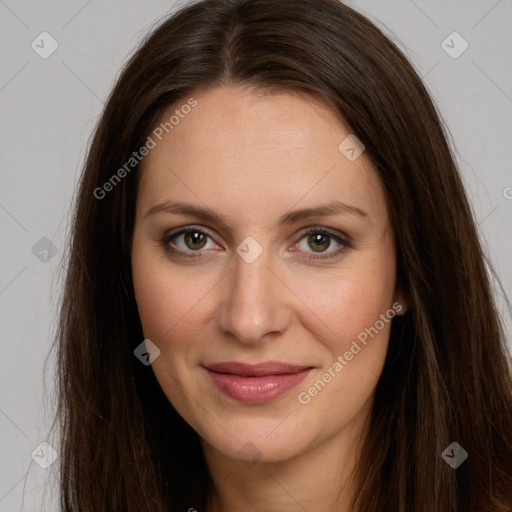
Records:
x=193, y=236
x=317, y=240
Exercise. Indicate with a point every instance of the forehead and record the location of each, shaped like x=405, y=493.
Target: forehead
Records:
x=241, y=147
x=229, y=120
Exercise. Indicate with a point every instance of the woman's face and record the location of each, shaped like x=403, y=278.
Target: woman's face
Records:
x=303, y=318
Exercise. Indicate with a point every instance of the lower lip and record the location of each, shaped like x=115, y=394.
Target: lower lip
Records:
x=256, y=389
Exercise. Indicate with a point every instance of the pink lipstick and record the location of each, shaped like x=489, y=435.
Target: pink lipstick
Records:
x=256, y=383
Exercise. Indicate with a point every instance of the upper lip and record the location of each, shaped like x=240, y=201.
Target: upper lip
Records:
x=256, y=370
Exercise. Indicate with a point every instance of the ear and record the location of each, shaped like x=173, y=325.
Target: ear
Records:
x=402, y=297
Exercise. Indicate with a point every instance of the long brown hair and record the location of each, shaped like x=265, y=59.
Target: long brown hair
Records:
x=447, y=376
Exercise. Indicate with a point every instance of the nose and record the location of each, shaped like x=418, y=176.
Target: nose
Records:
x=256, y=305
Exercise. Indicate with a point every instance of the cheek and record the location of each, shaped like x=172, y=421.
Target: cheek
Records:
x=350, y=302
x=348, y=312
x=165, y=307
x=356, y=343
x=164, y=297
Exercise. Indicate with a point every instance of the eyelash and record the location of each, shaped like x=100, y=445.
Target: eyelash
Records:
x=165, y=241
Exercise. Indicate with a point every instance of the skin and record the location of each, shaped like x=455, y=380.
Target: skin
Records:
x=252, y=158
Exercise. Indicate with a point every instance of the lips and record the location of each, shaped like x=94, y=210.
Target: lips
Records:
x=256, y=383
x=256, y=370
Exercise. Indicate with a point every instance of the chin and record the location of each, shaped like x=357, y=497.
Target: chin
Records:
x=256, y=441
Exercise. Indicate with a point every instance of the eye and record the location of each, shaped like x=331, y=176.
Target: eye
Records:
x=319, y=239
x=192, y=240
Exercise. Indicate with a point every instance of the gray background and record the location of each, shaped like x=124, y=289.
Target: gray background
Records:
x=49, y=108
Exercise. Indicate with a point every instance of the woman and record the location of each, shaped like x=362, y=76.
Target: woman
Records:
x=276, y=298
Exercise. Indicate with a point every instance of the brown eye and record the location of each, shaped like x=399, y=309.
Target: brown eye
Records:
x=319, y=242
x=195, y=239
x=186, y=242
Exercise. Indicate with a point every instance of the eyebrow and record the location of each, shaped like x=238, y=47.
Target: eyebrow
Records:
x=207, y=214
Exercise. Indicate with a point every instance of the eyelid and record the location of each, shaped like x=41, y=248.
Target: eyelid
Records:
x=184, y=229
